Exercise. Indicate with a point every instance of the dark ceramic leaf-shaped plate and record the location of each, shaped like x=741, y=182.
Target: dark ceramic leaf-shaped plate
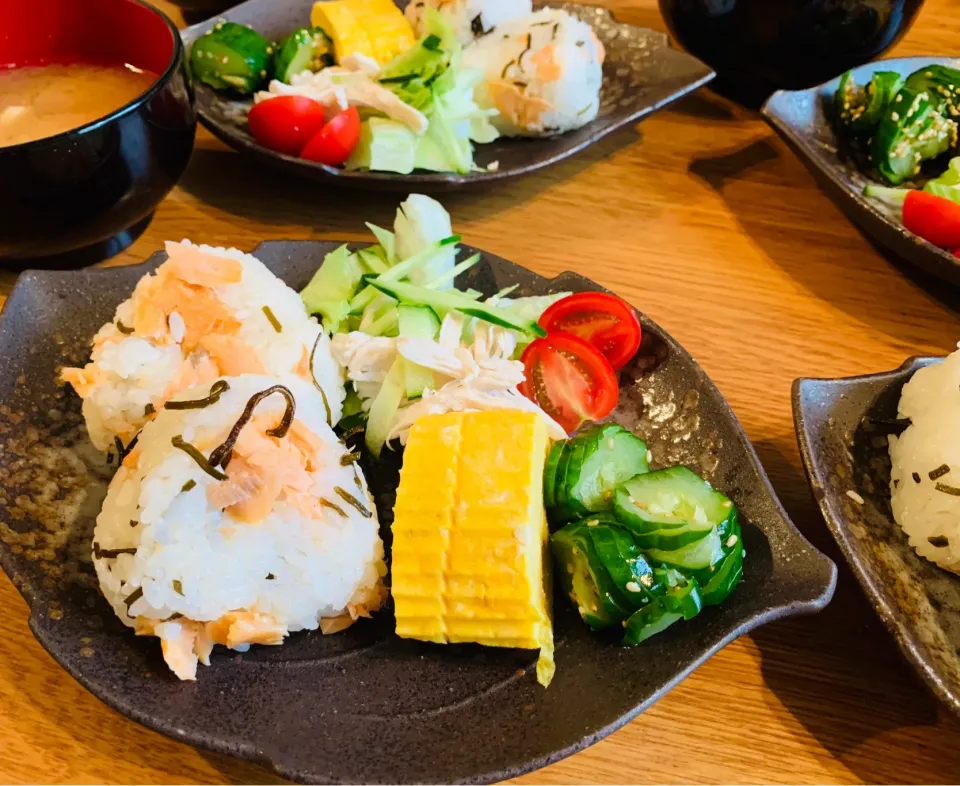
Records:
x=844, y=450
x=363, y=705
x=803, y=119
x=641, y=75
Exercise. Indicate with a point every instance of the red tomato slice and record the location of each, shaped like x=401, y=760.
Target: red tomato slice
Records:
x=933, y=218
x=285, y=123
x=605, y=321
x=336, y=140
x=569, y=380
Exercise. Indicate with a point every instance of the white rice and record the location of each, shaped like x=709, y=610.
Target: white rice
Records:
x=929, y=517
x=136, y=371
x=532, y=99
x=196, y=560
x=469, y=18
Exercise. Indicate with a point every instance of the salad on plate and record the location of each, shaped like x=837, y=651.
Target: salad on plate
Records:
x=366, y=86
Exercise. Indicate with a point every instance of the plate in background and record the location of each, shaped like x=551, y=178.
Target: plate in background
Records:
x=641, y=74
x=844, y=450
x=365, y=706
x=803, y=119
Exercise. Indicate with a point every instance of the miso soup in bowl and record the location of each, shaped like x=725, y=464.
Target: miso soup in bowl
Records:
x=40, y=101
x=97, y=124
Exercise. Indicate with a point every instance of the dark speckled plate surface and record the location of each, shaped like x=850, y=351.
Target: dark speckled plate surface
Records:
x=802, y=118
x=843, y=450
x=641, y=75
x=364, y=706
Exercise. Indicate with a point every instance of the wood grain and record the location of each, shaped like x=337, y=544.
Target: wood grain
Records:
x=705, y=221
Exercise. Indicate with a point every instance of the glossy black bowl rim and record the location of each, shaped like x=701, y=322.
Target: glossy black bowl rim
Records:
x=785, y=130
x=905, y=637
x=131, y=106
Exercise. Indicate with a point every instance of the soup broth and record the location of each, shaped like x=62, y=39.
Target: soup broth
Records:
x=42, y=101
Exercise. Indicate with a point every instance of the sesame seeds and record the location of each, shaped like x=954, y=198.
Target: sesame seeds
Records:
x=855, y=497
x=647, y=580
x=894, y=117
x=731, y=541
x=632, y=586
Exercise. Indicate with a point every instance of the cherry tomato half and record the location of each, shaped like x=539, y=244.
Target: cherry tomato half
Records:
x=286, y=123
x=933, y=218
x=569, y=380
x=336, y=140
x=605, y=321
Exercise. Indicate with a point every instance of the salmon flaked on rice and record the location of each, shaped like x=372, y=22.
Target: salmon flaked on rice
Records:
x=205, y=313
x=542, y=73
x=236, y=518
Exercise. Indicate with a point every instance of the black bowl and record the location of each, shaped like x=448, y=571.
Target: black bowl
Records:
x=84, y=195
x=758, y=46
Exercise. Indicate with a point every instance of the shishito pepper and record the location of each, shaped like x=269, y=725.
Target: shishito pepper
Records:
x=586, y=578
x=303, y=50
x=860, y=109
x=670, y=545
x=682, y=599
x=919, y=124
x=232, y=57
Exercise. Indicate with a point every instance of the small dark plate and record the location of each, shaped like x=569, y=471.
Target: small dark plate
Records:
x=843, y=450
x=641, y=75
x=364, y=706
x=803, y=119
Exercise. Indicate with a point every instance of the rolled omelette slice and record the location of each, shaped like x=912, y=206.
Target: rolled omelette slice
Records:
x=372, y=28
x=470, y=560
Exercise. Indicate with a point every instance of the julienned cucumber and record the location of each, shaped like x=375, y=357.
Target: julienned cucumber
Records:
x=400, y=270
x=418, y=322
x=669, y=498
x=445, y=301
x=600, y=459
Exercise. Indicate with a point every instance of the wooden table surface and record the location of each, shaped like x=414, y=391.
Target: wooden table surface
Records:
x=705, y=221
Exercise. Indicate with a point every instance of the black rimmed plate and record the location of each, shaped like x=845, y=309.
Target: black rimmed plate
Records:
x=641, y=74
x=844, y=450
x=363, y=705
x=803, y=118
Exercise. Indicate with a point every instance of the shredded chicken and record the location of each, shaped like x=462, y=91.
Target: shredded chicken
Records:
x=479, y=376
x=338, y=88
